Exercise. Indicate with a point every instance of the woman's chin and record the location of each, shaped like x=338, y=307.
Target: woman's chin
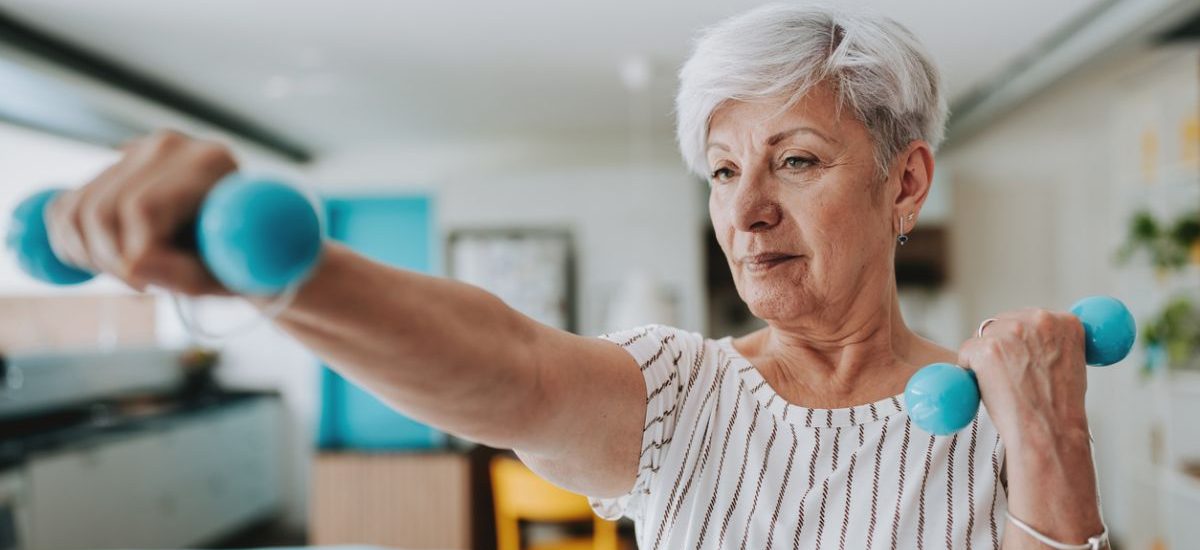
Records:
x=777, y=303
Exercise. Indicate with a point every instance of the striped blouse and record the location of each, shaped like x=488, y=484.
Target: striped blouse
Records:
x=727, y=463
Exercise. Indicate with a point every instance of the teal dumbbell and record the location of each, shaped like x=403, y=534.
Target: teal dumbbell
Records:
x=943, y=398
x=255, y=236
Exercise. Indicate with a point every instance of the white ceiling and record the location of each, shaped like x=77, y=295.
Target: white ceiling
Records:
x=336, y=75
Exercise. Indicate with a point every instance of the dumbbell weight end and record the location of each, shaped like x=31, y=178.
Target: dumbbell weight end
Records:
x=942, y=398
x=29, y=241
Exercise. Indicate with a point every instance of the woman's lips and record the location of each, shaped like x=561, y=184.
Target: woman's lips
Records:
x=764, y=262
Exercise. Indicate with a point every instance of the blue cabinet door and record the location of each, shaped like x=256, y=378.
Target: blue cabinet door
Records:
x=398, y=231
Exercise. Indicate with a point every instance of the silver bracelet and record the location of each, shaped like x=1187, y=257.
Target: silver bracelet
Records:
x=1093, y=543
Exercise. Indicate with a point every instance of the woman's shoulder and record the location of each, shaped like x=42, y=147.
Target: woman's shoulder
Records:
x=663, y=335
x=929, y=352
x=668, y=348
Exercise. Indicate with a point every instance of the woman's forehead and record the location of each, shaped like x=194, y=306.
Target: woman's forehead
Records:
x=816, y=113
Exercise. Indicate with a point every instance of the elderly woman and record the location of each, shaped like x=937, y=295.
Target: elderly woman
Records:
x=816, y=131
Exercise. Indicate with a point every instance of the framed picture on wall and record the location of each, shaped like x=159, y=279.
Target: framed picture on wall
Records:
x=531, y=269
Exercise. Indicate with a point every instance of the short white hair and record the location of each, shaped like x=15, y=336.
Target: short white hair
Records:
x=876, y=67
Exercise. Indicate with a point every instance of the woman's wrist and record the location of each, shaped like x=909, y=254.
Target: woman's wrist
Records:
x=1099, y=541
x=329, y=264
x=1038, y=441
x=1052, y=481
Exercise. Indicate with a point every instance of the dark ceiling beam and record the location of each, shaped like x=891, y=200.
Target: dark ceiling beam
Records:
x=23, y=37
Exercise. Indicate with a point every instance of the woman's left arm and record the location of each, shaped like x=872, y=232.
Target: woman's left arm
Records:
x=1032, y=378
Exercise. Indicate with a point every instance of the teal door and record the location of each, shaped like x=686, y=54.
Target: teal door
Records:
x=398, y=231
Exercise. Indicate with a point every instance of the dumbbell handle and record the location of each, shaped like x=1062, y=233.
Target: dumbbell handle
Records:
x=943, y=398
x=256, y=236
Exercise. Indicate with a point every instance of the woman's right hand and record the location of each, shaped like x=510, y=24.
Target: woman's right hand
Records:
x=127, y=220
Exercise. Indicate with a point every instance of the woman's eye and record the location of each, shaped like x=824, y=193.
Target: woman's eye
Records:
x=796, y=163
x=721, y=174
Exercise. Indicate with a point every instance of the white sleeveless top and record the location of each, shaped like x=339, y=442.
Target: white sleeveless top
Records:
x=727, y=463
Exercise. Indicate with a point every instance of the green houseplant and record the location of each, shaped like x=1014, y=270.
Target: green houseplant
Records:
x=1169, y=247
x=1172, y=338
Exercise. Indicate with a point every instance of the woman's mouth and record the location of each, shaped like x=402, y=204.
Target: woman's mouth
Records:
x=761, y=263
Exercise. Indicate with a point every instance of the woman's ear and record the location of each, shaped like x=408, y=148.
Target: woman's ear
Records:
x=916, y=178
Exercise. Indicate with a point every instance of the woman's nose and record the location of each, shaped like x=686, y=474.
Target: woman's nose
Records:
x=755, y=206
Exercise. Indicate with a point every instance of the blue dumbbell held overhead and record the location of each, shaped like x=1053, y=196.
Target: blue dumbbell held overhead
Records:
x=255, y=236
x=943, y=398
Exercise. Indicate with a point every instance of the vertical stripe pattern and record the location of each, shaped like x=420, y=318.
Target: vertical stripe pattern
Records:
x=728, y=462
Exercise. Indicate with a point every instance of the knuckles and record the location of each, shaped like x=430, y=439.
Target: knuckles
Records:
x=1023, y=328
x=212, y=157
x=989, y=350
x=1044, y=321
x=1034, y=322
x=206, y=156
x=161, y=143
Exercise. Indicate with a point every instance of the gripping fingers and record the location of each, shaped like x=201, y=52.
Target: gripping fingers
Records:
x=178, y=271
x=101, y=231
x=66, y=238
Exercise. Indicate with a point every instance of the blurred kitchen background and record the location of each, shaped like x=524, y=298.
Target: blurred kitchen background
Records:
x=526, y=146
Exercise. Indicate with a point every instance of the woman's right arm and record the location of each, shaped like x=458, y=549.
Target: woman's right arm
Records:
x=443, y=352
x=457, y=357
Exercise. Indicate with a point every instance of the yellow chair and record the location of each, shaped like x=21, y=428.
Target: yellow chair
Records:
x=520, y=494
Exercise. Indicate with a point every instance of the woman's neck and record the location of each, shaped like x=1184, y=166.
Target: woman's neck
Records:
x=865, y=358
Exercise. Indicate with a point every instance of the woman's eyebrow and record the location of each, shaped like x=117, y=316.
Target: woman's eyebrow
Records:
x=776, y=138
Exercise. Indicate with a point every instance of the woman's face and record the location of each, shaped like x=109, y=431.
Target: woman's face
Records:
x=797, y=205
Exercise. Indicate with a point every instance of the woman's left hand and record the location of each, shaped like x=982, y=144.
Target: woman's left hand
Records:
x=1032, y=378
x=1032, y=375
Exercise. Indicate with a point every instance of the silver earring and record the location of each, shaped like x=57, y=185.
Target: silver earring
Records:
x=902, y=238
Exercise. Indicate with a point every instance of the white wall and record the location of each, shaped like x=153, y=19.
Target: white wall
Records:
x=649, y=217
